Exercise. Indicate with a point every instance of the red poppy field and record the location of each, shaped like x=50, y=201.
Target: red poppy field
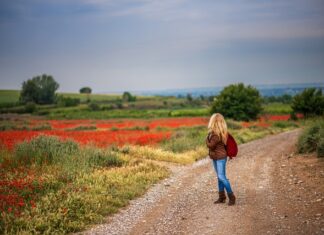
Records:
x=138, y=132
x=103, y=133
x=45, y=191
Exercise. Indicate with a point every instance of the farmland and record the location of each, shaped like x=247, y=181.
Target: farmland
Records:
x=64, y=168
x=61, y=175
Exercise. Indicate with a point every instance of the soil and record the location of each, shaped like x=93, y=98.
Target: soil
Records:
x=277, y=191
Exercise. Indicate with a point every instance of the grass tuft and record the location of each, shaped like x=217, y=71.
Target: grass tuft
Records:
x=44, y=149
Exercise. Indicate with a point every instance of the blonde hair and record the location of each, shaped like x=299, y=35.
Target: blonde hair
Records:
x=218, y=126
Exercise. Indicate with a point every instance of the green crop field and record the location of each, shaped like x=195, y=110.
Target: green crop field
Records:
x=112, y=106
x=12, y=96
x=9, y=96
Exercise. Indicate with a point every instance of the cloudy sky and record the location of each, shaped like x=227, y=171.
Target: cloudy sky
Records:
x=117, y=45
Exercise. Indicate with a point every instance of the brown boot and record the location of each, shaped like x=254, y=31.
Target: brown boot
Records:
x=222, y=197
x=232, y=198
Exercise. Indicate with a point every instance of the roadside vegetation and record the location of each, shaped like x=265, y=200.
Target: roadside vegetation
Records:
x=54, y=186
x=312, y=138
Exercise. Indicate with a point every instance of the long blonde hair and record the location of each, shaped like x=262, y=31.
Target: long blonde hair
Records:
x=218, y=126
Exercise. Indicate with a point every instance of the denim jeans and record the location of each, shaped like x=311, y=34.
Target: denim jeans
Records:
x=220, y=168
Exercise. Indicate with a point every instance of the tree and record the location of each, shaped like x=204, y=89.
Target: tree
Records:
x=29, y=92
x=310, y=102
x=285, y=98
x=128, y=97
x=238, y=102
x=39, y=89
x=85, y=90
x=189, y=97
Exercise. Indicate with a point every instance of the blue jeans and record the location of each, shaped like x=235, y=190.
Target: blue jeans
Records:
x=220, y=168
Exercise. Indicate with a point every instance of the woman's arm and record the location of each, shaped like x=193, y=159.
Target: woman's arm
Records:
x=212, y=141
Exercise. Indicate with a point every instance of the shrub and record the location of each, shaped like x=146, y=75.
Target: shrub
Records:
x=107, y=107
x=311, y=139
x=293, y=116
x=320, y=148
x=128, y=97
x=94, y=106
x=67, y=101
x=44, y=149
x=238, y=102
x=310, y=102
x=30, y=107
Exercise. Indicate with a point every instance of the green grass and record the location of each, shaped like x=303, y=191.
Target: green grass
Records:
x=185, y=139
x=12, y=96
x=277, y=108
x=9, y=96
x=189, y=112
x=84, y=113
x=93, y=97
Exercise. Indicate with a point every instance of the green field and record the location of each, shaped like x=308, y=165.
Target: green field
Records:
x=12, y=96
x=112, y=106
x=108, y=106
x=9, y=96
x=277, y=108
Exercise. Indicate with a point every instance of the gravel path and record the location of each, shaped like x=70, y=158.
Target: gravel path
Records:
x=183, y=203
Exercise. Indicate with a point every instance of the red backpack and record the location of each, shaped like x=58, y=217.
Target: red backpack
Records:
x=231, y=146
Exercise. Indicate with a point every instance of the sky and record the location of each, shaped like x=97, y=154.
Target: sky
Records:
x=119, y=45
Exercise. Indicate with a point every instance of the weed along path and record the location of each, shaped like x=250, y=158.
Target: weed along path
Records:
x=271, y=198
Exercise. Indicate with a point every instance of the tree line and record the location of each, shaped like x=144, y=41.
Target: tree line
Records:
x=236, y=101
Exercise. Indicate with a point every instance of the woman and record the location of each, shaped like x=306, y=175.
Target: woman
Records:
x=216, y=139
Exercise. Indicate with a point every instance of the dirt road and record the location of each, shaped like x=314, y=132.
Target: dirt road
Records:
x=277, y=193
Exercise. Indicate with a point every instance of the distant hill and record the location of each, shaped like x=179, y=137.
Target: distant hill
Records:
x=265, y=90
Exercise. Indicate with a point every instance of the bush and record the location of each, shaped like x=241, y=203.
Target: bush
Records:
x=238, y=102
x=30, y=107
x=312, y=138
x=44, y=149
x=67, y=101
x=320, y=148
x=310, y=102
x=94, y=106
x=128, y=97
x=293, y=116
